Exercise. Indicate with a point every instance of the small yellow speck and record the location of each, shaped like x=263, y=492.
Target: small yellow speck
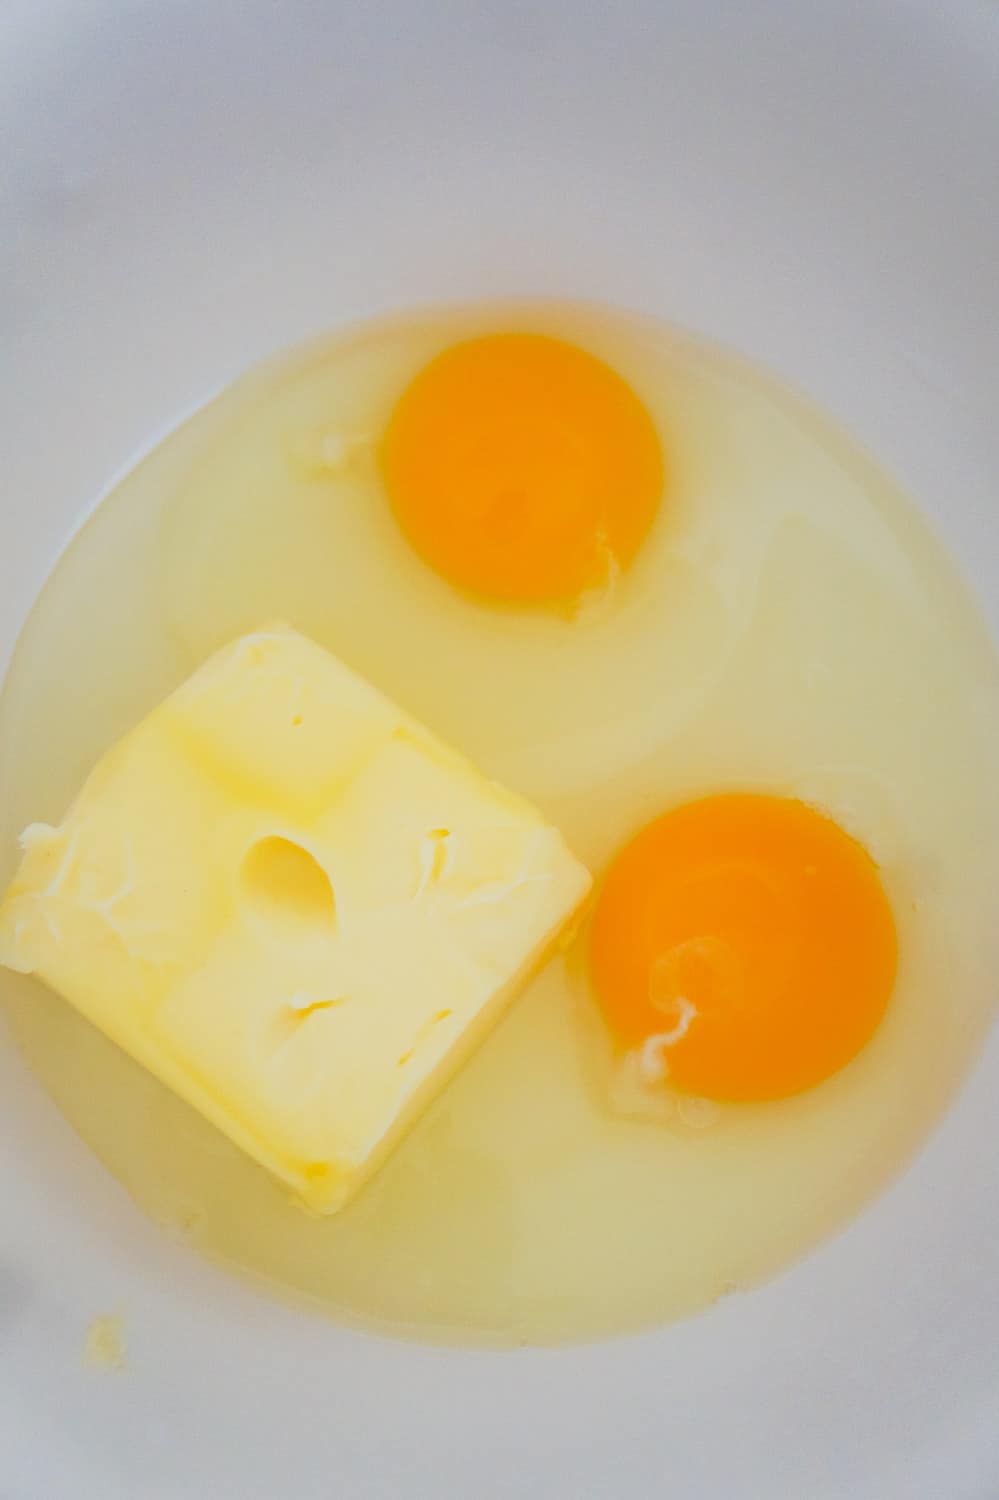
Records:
x=104, y=1348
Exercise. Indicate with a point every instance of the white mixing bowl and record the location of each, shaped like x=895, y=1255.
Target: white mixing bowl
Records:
x=190, y=185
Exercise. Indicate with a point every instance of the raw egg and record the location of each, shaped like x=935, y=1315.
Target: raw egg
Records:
x=746, y=944
x=646, y=586
x=522, y=468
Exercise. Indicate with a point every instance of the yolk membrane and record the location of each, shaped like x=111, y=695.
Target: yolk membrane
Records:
x=522, y=468
x=751, y=937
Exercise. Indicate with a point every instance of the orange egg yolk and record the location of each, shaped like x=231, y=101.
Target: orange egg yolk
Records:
x=522, y=468
x=748, y=942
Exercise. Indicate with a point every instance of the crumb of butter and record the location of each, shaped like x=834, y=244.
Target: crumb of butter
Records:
x=104, y=1347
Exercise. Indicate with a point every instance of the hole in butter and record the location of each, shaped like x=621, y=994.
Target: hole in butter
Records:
x=285, y=886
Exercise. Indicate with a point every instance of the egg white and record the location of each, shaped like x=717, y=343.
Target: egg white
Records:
x=789, y=626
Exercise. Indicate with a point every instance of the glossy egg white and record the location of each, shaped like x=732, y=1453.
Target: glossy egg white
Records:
x=790, y=625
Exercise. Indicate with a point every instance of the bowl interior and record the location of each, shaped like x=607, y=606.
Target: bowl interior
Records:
x=189, y=188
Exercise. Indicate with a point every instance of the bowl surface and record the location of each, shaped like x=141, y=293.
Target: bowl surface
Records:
x=189, y=187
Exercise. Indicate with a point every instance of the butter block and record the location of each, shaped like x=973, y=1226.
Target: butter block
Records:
x=293, y=904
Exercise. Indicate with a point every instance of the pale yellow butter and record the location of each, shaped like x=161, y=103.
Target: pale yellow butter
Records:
x=293, y=904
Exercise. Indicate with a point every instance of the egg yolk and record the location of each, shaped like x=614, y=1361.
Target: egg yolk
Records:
x=522, y=468
x=747, y=944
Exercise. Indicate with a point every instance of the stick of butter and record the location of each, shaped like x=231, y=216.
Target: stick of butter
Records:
x=293, y=904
